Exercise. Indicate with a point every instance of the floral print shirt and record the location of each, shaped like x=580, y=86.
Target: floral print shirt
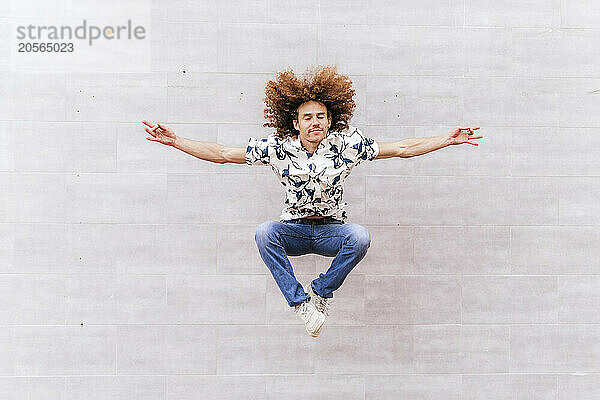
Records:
x=314, y=182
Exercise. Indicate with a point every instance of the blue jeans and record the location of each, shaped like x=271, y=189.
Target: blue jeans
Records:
x=347, y=243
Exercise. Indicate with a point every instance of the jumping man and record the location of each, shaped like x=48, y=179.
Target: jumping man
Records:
x=312, y=151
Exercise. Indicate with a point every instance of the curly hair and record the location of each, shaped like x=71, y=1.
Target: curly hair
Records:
x=322, y=83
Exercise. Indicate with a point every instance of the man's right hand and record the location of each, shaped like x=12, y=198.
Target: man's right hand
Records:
x=160, y=133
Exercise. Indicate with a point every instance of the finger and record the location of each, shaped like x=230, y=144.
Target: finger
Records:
x=466, y=128
x=474, y=144
x=147, y=123
x=161, y=127
x=476, y=137
x=150, y=132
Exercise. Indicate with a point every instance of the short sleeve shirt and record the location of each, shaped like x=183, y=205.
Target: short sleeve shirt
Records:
x=314, y=182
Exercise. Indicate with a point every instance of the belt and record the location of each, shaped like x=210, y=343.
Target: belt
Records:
x=316, y=221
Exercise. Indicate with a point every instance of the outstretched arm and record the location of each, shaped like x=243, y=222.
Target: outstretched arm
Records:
x=207, y=151
x=411, y=147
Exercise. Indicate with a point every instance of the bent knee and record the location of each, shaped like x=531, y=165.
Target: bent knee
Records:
x=264, y=230
x=360, y=236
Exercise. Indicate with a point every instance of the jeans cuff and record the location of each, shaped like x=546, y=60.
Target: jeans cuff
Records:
x=325, y=297
x=294, y=304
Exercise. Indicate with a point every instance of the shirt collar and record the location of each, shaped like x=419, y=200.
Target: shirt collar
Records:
x=296, y=143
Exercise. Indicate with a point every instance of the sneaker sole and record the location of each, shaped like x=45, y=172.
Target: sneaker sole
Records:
x=317, y=332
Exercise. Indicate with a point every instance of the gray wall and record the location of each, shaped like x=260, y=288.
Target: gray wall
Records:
x=128, y=270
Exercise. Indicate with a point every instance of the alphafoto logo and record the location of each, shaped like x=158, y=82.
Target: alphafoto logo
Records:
x=85, y=31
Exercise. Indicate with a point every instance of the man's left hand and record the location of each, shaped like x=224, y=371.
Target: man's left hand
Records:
x=463, y=134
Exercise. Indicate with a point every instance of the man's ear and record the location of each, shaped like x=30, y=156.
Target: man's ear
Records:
x=295, y=122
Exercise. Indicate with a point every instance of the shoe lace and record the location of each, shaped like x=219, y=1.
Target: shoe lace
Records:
x=323, y=304
x=302, y=310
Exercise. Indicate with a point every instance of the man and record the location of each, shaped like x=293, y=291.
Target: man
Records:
x=312, y=151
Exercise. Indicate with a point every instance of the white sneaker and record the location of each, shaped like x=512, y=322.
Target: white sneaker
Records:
x=313, y=319
x=322, y=304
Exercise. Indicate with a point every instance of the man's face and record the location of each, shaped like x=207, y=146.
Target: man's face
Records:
x=312, y=123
